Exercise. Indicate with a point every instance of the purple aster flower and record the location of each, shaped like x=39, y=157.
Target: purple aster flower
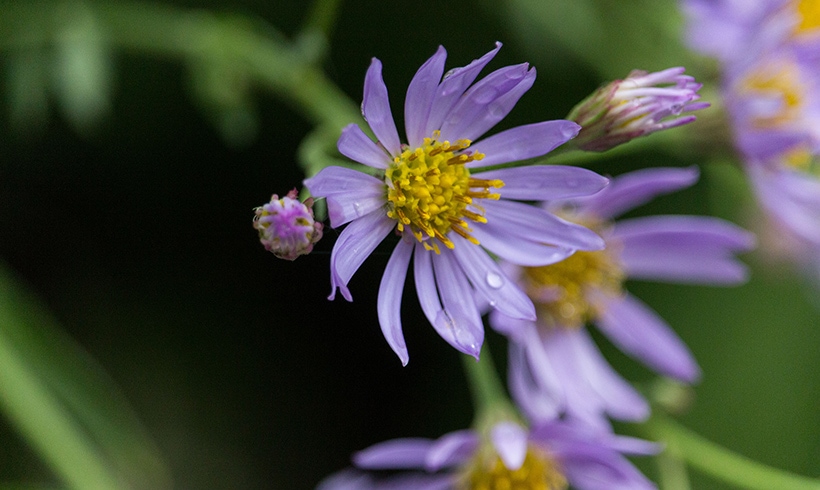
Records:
x=731, y=29
x=433, y=194
x=555, y=367
x=550, y=456
x=641, y=104
x=771, y=82
x=286, y=226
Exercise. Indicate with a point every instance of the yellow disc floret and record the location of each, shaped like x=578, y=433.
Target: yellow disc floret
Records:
x=560, y=291
x=538, y=472
x=429, y=190
x=777, y=80
x=809, y=13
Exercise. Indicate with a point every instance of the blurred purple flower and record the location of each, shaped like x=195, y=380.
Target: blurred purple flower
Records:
x=770, y=54
x=286, y=226
x=433, y=194
x=548, y=457
x=641, y=104
x=555, y=367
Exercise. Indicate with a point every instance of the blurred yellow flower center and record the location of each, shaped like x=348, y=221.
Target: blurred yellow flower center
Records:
x=809, y=13
x=560, y=291
x=777, y=80
x=539, y=472
x=429, y=189
x=802, y=160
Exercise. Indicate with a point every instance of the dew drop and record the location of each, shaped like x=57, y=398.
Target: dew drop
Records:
x=494, y=280
x=357, y=208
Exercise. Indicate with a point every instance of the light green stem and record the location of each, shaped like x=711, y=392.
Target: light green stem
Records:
x=723, y=464
x=490, y=400
x=672, y=472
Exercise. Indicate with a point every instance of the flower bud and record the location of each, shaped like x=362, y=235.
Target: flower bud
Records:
x=286, y=226
x=641, y=104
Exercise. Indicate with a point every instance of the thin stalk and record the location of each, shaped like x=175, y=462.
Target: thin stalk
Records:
x=723, y=464
x=489, y=397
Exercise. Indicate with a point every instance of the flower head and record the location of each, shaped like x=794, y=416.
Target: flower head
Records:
x=771, y=82
x=286, y=226
x=555, y=367
x=641, y=104
x=738, y=31
x=548, y=457
x=432, y=193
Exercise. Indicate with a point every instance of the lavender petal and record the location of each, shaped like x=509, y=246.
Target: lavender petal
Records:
x=451, y=449
x=354, y=245
x=545, y=182
x=350, y=194
x=522, y=142
x=514, y=219
x=460, y=322
x=420, y=96
x=510, y=442
x=635, y=188
x=487, y=102
x=641, y=333
x=407, y=453
x=453, y=86
x=357, y=146
x=376, y=109
x=491, y=282
x=688, y=249
x=389, y=302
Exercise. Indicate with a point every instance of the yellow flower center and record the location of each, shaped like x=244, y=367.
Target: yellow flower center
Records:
x=429, y=190
x=809, y=13
x=801, y=159
x=539, y=472
x=560, y=291
x=777, y=80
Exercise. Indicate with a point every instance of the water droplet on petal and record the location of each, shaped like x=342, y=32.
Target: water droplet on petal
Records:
x=494, y=280
x=357, y=208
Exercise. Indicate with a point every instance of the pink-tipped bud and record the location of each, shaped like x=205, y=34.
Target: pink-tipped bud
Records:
x=641, y=104
x=286, y=226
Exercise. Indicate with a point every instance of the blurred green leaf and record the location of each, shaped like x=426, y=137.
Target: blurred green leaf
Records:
x=65, y=405
x=82, y=70
x=611, y=37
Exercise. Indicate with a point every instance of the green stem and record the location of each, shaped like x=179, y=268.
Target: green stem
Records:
x=723, y=464
x=322, y=17
x=489, y=397
x=672, y=472
x=263, y=56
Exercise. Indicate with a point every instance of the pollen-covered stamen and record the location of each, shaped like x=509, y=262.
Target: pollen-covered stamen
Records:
x=538, y=472
x=429, y=189
x=560, y=291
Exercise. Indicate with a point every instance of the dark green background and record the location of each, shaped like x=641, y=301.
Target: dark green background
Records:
x=138, y=236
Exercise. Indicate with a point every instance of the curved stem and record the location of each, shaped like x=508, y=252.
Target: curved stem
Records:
x=260, y=53
x=322, y=16
x=723, y=464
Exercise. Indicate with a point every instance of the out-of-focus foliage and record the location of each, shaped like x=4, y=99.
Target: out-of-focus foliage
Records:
x=129, y=178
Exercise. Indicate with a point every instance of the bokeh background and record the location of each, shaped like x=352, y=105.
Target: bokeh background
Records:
x=134, y=230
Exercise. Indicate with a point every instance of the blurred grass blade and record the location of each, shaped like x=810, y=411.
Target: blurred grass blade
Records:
x=611, y=37
x=65, y=405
